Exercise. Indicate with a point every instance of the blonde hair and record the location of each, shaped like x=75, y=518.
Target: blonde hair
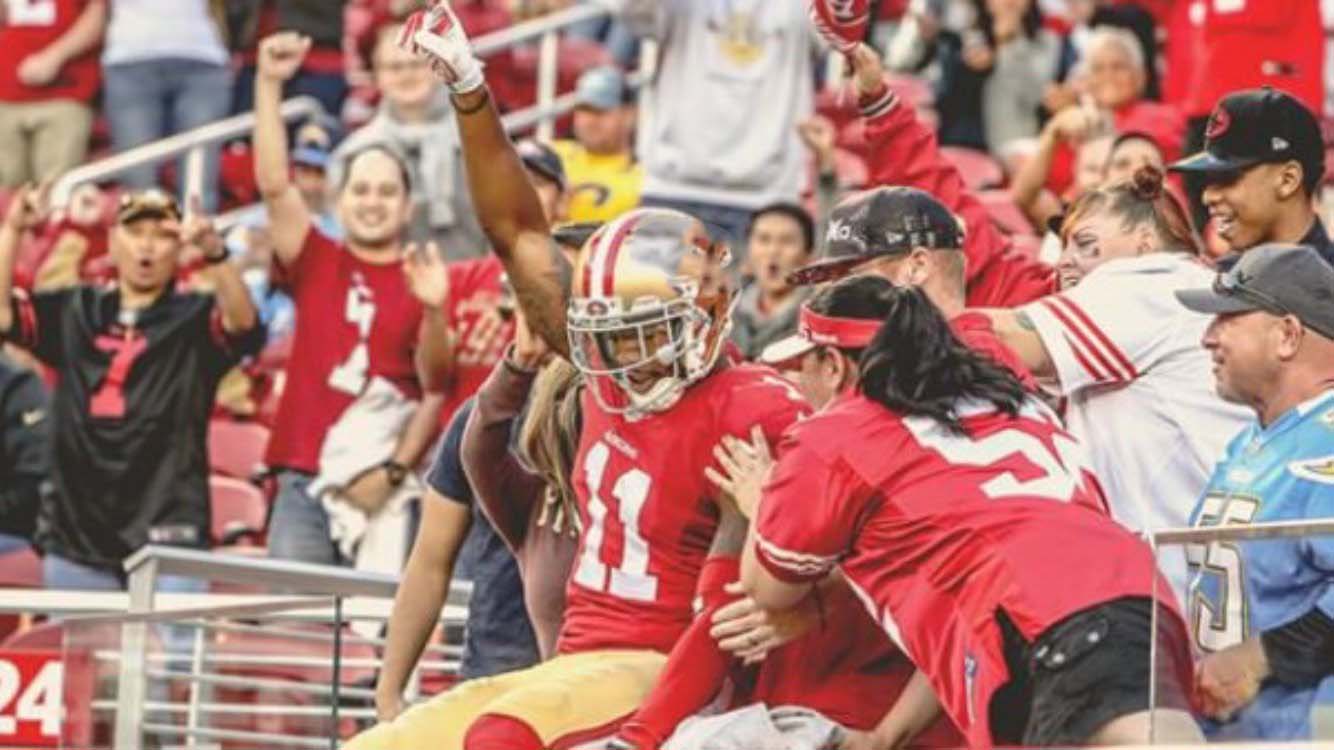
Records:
x=549, y=440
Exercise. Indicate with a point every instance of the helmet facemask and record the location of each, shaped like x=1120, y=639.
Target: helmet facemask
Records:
x=667, y=341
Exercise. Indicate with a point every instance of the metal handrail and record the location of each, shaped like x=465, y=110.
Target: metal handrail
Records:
x=310, y=579
x=226, y=129
x=72, y=604
x=1271, y=530
x=192, y=141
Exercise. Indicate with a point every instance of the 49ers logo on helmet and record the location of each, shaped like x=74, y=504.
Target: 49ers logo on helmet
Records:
x=1218, y=124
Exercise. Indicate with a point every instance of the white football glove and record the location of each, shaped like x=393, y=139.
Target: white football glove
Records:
x=436, y=34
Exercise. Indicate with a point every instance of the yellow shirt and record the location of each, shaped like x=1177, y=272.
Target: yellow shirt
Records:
x=600, y=187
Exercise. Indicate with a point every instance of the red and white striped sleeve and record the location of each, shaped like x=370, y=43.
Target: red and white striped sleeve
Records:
x=808, y=515
x=1109, y=329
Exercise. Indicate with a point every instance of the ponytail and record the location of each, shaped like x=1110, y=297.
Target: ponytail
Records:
x=915, y=365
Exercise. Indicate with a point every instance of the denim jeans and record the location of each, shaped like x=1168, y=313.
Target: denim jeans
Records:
x=299, y=526
x=62, y=573
x=151, y=99
x=10, y=543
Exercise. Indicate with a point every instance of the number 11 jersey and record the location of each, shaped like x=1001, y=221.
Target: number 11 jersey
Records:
x=649, y=514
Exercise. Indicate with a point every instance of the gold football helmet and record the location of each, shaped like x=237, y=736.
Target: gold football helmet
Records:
x=650, y=309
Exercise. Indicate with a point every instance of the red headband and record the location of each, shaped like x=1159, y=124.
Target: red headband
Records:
x=845, y=333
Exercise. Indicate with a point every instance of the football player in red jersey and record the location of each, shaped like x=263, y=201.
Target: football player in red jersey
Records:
x=367, y=308
x=644, y=314
x=1001, y=594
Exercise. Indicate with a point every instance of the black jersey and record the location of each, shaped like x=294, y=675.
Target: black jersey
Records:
x=129, y=418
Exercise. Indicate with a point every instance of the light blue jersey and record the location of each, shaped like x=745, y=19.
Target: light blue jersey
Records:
x=1282, y=473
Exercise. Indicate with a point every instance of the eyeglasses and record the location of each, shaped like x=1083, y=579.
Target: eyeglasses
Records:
x=1234, y=284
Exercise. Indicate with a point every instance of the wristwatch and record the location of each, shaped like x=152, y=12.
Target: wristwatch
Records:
x=397, y=472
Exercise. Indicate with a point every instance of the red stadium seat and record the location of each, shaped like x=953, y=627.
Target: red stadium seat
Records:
x=234, y=648
x=236, y=449
x=978, y=169
x=1004, y=212
x=239, y=510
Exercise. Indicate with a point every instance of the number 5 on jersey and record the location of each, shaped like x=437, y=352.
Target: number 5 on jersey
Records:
x=630, y=579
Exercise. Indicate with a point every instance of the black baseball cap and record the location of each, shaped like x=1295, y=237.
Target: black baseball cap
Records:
x=876, y=223
x=1278, y=278
x=543, y=160
x=1259, y=126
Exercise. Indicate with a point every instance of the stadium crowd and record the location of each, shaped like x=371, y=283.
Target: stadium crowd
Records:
x=821, y=387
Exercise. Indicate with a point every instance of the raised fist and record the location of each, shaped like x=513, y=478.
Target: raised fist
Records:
x=281, y=55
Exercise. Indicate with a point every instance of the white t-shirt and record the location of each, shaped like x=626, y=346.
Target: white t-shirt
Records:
x=155, y=29
x=1141, y=388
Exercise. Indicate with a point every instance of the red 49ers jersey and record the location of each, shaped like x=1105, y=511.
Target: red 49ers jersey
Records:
x=938, y=531
x=649, y=513
x=354, y=321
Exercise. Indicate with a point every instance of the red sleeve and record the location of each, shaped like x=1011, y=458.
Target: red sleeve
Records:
x=769, y=400
x=901, y=151
x=315, y=249
x=695, y=669
x=808, y=513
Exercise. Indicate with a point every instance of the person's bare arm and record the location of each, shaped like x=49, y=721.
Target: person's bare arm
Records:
x=26, y=211
x=915, y=709
x=1070, y=125
x=280, y=56
x=233, y=299
x=43, y=67
x=506, y=202
x=511, y=215
x=1016, y=330
x=428, y=279
x=420, y=597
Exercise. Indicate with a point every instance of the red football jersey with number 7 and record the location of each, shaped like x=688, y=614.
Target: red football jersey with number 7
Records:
x=649, y=513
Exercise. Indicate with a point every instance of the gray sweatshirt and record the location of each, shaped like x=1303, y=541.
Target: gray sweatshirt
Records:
x=734, y=78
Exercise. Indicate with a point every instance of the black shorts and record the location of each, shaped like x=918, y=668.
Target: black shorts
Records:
x=1086, y=670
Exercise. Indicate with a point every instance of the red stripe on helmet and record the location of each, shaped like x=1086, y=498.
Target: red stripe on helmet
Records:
x=613, y=252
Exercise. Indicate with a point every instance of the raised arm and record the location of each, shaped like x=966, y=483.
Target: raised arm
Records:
x=280, y=57
x=505, y=490
x=506, y=202
x=1070, y=125
x=25, y=212
x=428, y=279
x=233, y=299
x=904, y=152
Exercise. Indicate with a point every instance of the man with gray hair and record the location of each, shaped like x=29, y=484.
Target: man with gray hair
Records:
x=1262, y=612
